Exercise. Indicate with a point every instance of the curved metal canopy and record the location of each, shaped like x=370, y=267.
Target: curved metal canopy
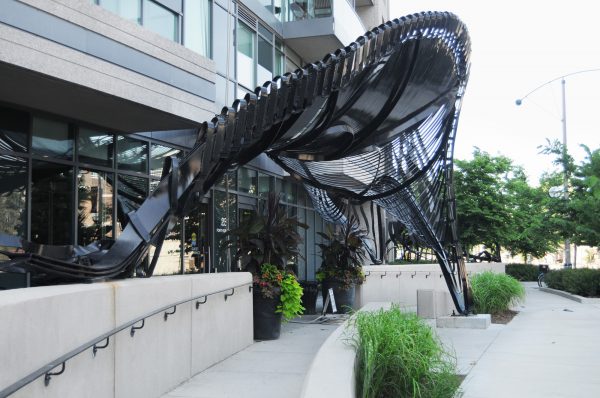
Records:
x=375, y=121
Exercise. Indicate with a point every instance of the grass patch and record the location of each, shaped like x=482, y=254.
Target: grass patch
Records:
x=398, y=355
x=494, y=293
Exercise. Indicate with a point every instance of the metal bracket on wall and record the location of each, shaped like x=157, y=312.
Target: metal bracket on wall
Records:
x=49, y=375
x=134, y=328
x=100, y=347
x=384, y=274
x=166, y=316
x=229, y=294
x=198, y=302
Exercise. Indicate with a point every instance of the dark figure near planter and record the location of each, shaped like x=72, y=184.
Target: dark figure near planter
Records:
x=343, y=255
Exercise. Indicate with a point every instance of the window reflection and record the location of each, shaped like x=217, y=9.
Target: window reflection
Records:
x=52, y=138
x=14, y=126
x=127, y=9
x=51, y=203
x=95, y=147
x=95, y=197
x=247, y=181
x=13, y=195
x=132, y=191
x=132, y=154
x=158, y=153
x=265, y=184
x=197, y=26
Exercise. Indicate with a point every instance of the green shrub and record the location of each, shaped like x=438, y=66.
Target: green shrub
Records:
x=398, y=355
x=581, y=281
x=495, y=293
x=555, y=279
x=290, y=305
x=523, y=272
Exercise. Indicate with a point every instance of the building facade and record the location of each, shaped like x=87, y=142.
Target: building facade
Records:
x=95, y=94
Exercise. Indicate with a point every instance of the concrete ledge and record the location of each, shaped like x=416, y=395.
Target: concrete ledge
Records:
x=331, y=374
x=480, y=321
x=570, y=296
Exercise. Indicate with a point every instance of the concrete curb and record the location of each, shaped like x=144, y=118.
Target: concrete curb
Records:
x=570, y=296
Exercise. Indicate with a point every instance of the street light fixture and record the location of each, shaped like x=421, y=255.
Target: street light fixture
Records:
x=519, y=101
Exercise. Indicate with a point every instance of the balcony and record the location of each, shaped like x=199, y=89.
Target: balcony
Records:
x=312, y=28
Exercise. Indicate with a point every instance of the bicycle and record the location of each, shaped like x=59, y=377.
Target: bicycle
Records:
x=543, y=271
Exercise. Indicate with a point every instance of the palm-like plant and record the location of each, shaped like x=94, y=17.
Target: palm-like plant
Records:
x=343, y=253
x=268, y=236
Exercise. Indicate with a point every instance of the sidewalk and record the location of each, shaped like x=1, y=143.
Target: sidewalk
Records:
x=550, y=349
x=266, y=369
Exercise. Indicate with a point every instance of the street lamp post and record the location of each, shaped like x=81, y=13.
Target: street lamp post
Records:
x=519, y=101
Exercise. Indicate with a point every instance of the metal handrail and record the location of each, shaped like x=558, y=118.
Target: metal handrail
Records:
x=45, y=370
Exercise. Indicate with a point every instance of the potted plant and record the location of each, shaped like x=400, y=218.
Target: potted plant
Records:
x=343, y=254
x=264, y=243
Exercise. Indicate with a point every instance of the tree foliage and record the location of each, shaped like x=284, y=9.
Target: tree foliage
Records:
x=497, y=207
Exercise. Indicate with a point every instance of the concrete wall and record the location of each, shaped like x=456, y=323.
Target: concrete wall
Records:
x=399, y=284
x=89, y=52
x=38, y=325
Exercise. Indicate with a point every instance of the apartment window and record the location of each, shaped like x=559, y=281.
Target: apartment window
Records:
x=148, y=13
x=245, y=56
x=196, y=27
x=127, y=9
x=264, y=69
x=161, y=20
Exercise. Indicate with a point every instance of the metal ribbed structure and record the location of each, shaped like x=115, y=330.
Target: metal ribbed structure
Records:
x=374, y=121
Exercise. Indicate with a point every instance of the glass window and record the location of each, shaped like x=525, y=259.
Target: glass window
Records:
x=289, y=191
x=279, y=63
x=265, y=61
x=52, y=138
x=158, y=153
x=221, y=44
x=196, y=27
x=128, y=9
x=245, y=56
x=229, y=180
x=132, y=191
x=51, y=203
x=303, y=199
x=225, y=216
x=132, y=154
x=278, y=9
x=247, y=180
x=265, y=184
x=13, y=195
x=95, y=206
x=161, y=20
x=14, y=126
x=95, y=147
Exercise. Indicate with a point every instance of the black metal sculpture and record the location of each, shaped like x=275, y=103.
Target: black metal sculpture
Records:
x=375, y=121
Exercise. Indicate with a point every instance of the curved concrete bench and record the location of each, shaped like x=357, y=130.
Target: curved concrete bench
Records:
x=331, y=374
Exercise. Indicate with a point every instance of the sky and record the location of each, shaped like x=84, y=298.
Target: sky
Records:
x=517, y=46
